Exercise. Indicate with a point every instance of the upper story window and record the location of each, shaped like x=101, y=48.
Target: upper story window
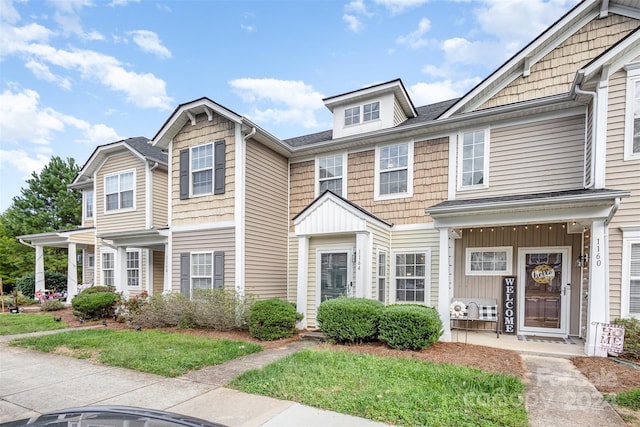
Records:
x=331, y=174
x=474, y=156
x=88, y=204
x=632, y=119
x=371, y=111
x=202, y=170
x=351, y=116
x=394, y=171
x=119, y=191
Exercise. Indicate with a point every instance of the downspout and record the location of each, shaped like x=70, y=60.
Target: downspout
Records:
x=250, y=134
x=155, y=165
x=614, y=209
x=594, y=124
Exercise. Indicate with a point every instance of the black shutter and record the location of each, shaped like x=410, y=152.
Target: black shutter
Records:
x=219, y=164
x=218, y=270
x=185, y=274
x=184, y=174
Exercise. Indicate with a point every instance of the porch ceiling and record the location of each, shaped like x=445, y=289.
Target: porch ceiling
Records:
x=138, y=238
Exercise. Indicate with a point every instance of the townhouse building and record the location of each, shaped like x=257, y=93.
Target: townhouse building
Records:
x=533, y=176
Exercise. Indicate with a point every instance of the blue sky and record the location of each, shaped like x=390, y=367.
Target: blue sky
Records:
x=78, y=73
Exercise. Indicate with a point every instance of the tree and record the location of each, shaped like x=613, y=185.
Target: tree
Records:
x=44, y=205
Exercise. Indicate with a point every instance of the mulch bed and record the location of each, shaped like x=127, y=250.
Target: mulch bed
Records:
x=607, y=375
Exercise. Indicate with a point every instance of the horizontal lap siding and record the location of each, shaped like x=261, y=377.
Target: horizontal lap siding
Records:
x=292, y=276
x=534, y=157
x=266, y=222
x=160, y=202
x=204, y=241
x=380, y=240
x=121, y=221
x=420, y=240
x=554, y=73
x=84, y=238
x=209, y=208
x=158, y=272
x=620, y=175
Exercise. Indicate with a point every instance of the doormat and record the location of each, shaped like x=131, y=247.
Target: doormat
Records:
x=551, y=340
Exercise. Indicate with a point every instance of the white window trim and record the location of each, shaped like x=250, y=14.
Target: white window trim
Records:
x=91, y=260
x=628, y=239
x=633, y=75
x=114, y=269
x=344, y=118
x=391, y=285
x=191, y=276
x=126, y=267
x=379, y=111
x=93, y=205
x=213, y=171
x=467, y=261
x=376, y=179
x=119, y=210
x=384, y=277
x=361, y=120
x=344, y=173
x=485, y=178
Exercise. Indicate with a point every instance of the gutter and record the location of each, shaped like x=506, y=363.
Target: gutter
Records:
x=26, y=244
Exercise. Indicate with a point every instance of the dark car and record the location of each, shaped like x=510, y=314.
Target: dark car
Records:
x=114, y=416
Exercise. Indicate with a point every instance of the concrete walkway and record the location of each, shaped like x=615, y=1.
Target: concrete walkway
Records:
x=558, y=395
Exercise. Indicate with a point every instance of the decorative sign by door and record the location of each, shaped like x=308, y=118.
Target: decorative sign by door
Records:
x=509, y=305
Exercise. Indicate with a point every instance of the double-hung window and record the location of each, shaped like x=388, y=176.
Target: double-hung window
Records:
x=394, y=171
x=133, y=268
x=371, y=111
x=119, y=191
x=108, y=269
x=474, y=159
x=632, y=119
x=352, y=116
x=411, y=277
x=88, y=204
x=202, y=169
x=331, y=174
x=382, y=275
x=631, y=275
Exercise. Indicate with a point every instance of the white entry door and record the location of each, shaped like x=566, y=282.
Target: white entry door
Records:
x=544, y=292
x=335, y=275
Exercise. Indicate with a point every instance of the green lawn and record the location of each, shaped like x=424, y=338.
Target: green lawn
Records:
x=392, y=390
x=12, y=324
x=157, y=352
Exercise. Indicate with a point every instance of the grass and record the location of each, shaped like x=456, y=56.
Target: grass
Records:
x=156, y=352
x=391, y=390
x=628, y=399
x=12, y=324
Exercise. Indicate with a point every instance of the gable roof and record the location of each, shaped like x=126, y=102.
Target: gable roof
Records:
x=329, y=195
x=139, y=146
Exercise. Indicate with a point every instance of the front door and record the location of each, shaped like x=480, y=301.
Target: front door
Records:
x=335, y=279
x=544, y=298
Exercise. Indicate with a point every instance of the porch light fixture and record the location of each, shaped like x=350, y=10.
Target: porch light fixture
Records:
x=582, y=261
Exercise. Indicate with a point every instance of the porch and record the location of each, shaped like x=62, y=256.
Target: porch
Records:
x=570, y=347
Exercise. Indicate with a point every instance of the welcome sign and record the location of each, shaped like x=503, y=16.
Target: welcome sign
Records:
x=509, y=305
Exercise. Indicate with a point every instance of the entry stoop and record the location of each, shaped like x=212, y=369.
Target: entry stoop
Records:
x=313, y=336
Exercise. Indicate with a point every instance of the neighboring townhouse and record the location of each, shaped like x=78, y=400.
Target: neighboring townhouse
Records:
x=529, y=183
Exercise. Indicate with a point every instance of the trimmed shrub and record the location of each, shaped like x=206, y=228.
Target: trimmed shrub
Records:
x=128, y=307
x=409, y=327
x=349, y=320
x=220, y=309
x=272, y=319
x=27, y=283
x=98, y=288
x=52, y=305
x=631, y=337
x=97, y=305
x=164, y=310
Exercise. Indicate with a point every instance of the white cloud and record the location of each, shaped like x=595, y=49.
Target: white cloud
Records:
x=9, y=13
x=18, y=107
x=293, y=100
x=353, y=23
x=414, y=39
x=399, y=6
x=429, y=93
x=149, y=42
x=462, y=51
x=43, y=72
x=122, y=2
x=24, y=162
x=357, y=6
x=248, y=28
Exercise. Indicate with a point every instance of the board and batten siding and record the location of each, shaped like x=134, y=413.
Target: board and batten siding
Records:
x=535, y=157
x=554, y=73
x=160, y=203
x=208, y=208
x=266, y=222
x=127, y=220
x=419, y=240
x=620, y=175
x=533, y=236
x=210, y=240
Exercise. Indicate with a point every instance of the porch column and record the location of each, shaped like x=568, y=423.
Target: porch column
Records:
x=120, y=273
x=363, y=263
x=40, y=283
x=303, y=267
x=72, y=272
x=598, y=302
x=444, y=290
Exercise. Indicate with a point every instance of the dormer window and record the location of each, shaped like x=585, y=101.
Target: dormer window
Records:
x=371, y=111
x=352, y=116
